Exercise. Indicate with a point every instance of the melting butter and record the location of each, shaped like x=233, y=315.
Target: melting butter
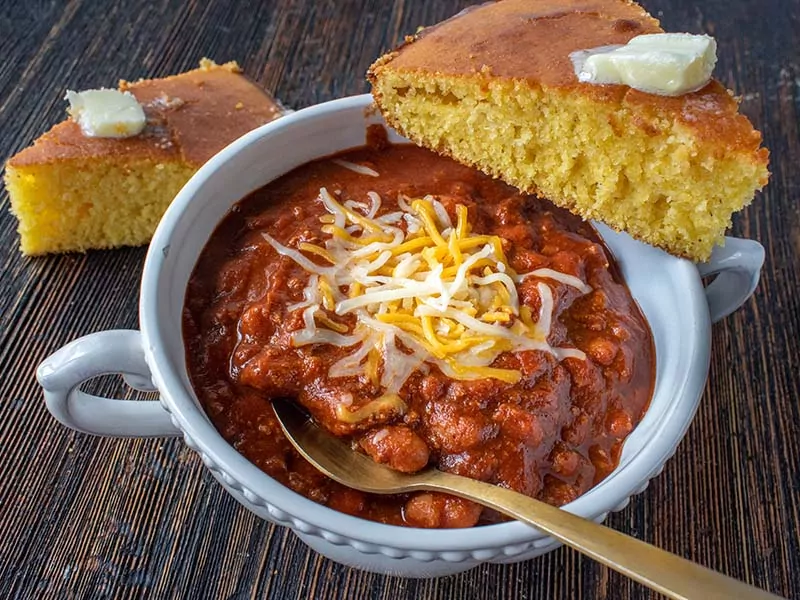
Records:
x=106, y=113
x=667, y=64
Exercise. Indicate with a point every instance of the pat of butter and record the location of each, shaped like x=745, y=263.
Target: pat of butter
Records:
x=106, y=113
x=668, y=64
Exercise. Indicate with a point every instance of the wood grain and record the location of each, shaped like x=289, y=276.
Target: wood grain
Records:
x=84, y=517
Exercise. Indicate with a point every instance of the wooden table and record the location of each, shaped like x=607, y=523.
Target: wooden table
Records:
x=83, y=517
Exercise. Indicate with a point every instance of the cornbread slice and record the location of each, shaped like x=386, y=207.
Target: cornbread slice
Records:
x=495, y=88
x=71, y=192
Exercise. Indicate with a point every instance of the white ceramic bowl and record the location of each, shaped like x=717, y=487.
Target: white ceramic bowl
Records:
x=669, y=291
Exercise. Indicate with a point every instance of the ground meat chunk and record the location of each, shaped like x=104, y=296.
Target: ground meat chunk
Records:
x=397, y=447
x=440, y=510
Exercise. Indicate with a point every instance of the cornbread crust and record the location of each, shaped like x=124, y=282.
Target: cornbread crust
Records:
x=55, y=185
x=504, y=68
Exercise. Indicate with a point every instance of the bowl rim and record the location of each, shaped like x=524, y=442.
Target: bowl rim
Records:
x=289, y=507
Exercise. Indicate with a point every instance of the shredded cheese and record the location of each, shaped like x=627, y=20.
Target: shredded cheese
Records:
x=360, y=169
x=424, y=291
x=387, y=403
x=560, y=277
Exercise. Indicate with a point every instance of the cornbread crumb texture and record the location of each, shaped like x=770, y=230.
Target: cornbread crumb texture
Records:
x=107, y=205
x=495, y=88
x=71, y=192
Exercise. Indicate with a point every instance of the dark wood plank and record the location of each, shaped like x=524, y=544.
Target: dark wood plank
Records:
x=82, y=517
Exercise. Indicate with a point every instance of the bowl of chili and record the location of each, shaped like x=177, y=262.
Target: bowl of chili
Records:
x=187, y=272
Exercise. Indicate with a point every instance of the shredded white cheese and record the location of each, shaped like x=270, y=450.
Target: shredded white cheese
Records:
x=360, y=169
x=424, y=291
x=560, y=277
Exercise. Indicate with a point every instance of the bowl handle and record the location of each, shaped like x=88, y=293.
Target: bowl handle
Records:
x=107, y=352
x=737, y=266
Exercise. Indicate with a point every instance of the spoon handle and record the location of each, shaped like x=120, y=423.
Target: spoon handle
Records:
x=658, y=569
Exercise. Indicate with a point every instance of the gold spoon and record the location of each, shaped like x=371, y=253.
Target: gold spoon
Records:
x=659, y=570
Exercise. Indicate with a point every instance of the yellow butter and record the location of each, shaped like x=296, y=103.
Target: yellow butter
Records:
x=106, y=113
x=667, y=64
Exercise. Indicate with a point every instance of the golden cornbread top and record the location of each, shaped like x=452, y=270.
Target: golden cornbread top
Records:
x=190, y=117
x=531, y=41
